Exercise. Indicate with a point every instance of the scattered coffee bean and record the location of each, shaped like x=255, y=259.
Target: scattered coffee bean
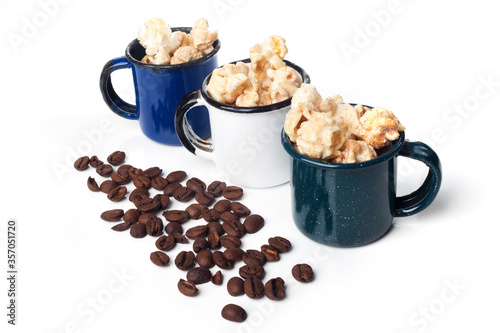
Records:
x=92, y=185
x=82, y=163
x=122, y=226
x=138, y=194
x=171, y=188
x=95, y=161
x=222, y=261
x=217, y=278
x=163, y=199
x=274, y=289
x=165, y=243
x=120, y=178
x=112, y=215
x=228, y=216
x=176, y=176
x=159, y=183
x=173, y=227
x=280, y=244
x=232, y=192
x=200, y=244
x=234, y=228
x=211, y=215
x=302, y=273
x=116, y=158
x=187, y=288
x=195, y=211
x=176, y=215
x=117, y=194
x=204, y=258
x=159, y=258
x=185, y=260
x=154, y=227
x=142, y=181
x=248, y=271
x=138, y=230
x=230, y=241
x=104, y=170
x=152, y=172
x=144, y=218
x=213, y=239
x=131, y=216
x=124, y=168
x=180, y=238
x=240, y=209
x=254, y=257
x=235, y=286
x=222, y=206
x=107, y=186
x=216, y=188
x=204, y=198
x=135, y=172
x=215, y=226
x=196, y=185
x=199, y=275
x=254, y=288
x=198, y=231
x=147, y=205
x=253, y=223
x=270, y=252
x=233, y=312
x=234, y=254
x=183, y=194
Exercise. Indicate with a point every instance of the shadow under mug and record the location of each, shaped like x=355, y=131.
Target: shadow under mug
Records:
x=158, y=90
x=246, y=141
x=348, y=205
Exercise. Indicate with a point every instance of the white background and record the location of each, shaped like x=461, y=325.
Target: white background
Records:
x=427, y=60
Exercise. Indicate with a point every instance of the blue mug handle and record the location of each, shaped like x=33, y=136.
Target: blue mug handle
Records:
x=420, y=199
x=115, y=103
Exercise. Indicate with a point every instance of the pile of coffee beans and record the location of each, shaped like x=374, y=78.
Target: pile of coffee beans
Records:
x=215, y=242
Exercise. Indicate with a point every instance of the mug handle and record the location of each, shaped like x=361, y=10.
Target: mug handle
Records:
x=420, y=199
x=115, y=103
x=185, y=133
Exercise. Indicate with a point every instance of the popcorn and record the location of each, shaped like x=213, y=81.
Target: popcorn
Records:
x=268, y=79
x=330, y=130
x=165, y=47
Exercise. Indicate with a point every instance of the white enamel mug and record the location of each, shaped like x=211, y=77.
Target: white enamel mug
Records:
x=246, y=141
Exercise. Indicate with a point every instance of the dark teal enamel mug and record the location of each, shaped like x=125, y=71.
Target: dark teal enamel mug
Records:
x=348, y=205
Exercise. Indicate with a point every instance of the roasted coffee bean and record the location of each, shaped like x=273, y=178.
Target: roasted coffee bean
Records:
x=165, y=243
x=270, y=252
x=222, y=206
x=124, y=168
x=147, y=205
x=222, y=261
x=254, y=257
x=234, y=228
x=142, y=181
x=154, y=227
x=232, y=192
x=213, y=239
x=302, y=273
x=159, y=183
x=235, y=286
x=216, y=188
x=240, y=209
x=180, y=238
x=230, y=241
x=138, y=230
x=217, y=278
x=176, y=215
x=199, y=275
x=176, y=176
x=254, y=288
x=152, y=172
x=215, y=226
x=196, y=185
x=107, y=186
x=173, y=227
x=205, y=258
x=234, y=254
x=163, y=199
x=248, y=271
x=159, y=258
x=228, y=216
x=122, y=226
x=171, y=188
x=274, y=289
x=200, y=244
x=135, y=172
x=280, y=244
x=92, y=185
x=82, y=163
x=211, y=215
x=184, y=260
x=116, y=158
x=233, y=312
x=195, y=211
x=183, y=194
x=95, y=161
x=117, y=193
x=131, y=216
x=204, y=198
x=112, y=215
x=253, y=223
x=198, y=231
x=146, y=217
x=120, y=178
x=138, y=194
x=187, y=288
x=104, y=170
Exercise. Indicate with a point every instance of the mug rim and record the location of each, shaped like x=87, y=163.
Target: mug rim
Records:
x=288, y=146
x=251, y=109
x=138, y=62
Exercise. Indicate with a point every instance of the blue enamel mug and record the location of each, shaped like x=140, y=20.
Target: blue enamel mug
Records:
x=348, y=205
x=158, y=90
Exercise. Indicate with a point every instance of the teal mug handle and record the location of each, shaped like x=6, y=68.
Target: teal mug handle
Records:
x=420, y=199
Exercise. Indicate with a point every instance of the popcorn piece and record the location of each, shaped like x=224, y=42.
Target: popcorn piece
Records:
x=285, y=83
x=228, y=82
x=318, y=139
x=378, y=126
x=153, y=35
x=356, y=151
x=202, y=38
x=185, y=54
